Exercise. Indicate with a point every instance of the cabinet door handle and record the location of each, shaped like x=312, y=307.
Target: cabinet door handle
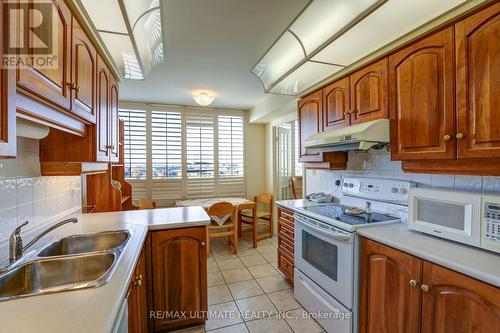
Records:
x=202, y=243
x=138, y=281
x=447, y=137
x=413, y=283
x=459, y=136
x=425, y=288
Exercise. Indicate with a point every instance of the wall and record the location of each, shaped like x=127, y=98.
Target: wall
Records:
x=27, y=196
x=255, y=156
x=379, y=164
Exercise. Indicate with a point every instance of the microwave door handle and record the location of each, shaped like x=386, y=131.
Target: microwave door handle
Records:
x=335, y=235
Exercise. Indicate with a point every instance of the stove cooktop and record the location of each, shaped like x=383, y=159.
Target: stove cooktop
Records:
x=337, y=212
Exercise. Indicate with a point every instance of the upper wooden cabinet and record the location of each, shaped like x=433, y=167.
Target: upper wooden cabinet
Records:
x=83, y=78
x=336, y=104
x=7, y=107
x=114, y=120
x=179, y=272
x=102, y=126
x=402, y=293
x=310, y=114
x=369, y=93
x=421, y=95
x=478, y=84
x=388, y=302
x=53, y=85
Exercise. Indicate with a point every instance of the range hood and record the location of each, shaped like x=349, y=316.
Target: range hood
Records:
x=357, y=137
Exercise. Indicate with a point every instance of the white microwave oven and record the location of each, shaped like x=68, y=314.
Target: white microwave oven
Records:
x=465, y=217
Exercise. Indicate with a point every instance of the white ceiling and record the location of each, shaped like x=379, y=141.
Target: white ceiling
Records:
x=213, y=44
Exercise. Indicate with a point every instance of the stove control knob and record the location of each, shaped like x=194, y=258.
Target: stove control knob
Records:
x=395, y=190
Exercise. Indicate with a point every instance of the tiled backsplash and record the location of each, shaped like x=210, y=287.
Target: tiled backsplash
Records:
x=27, y=196
x=378, y=163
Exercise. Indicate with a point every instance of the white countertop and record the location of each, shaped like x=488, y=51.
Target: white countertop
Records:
x=94, y=309
x=480, y=264
x=300, y=203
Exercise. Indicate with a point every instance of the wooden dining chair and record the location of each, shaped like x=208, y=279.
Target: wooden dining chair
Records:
x=296, y=187
x=214, y=230
x=146, y=203
x=265, y=201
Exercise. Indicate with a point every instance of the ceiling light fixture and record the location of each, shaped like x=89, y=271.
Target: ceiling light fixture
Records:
x=203, y=98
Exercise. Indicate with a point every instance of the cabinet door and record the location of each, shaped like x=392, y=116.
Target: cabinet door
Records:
x=84, y=60
x=113, y=120
x=369, y=93
x=137, y=301
x=388, y=302
x=7, y=106
x=179, y=269
x=310, y=122
x=102, y=124
x=478, y=84
x=459, y=304
x=52, y=85
x=421, y=99
x=336, y=104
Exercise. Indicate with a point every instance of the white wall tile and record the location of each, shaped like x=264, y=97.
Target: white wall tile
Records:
x=8, y=194
x=471, y=183
x=8, y=222
x=25, y=213
x=443, y=181
x=491, y=184
x=24, y=191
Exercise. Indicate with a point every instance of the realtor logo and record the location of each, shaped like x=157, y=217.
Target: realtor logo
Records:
x=29, y=34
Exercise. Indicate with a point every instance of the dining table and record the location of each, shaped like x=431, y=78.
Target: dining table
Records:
x=239, y=203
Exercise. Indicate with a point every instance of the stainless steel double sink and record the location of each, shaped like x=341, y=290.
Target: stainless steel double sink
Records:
x=73, y=262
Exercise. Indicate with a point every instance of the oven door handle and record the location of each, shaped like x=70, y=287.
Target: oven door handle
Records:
x=335, y=235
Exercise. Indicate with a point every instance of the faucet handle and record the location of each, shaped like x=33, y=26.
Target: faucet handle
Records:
x=17, y=231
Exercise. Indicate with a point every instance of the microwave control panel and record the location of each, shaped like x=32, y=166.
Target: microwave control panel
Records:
x=492, y=221
x=490, y=233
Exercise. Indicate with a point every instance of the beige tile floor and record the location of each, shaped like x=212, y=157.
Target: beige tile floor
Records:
x=247, y=292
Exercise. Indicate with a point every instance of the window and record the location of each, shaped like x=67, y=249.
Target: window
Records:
x=230, y=146
x=135, y=143
x=185, y=152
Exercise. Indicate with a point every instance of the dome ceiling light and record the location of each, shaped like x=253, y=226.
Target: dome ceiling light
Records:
x=203, y=98
x=329, y=35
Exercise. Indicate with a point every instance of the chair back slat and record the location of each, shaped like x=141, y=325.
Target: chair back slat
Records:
x=146, y=203
x=265, y=198
x=221, y=208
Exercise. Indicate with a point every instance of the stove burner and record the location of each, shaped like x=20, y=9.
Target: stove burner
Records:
x=337, y=212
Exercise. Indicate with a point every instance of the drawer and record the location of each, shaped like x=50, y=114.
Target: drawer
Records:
x=286, y=215
x=285, y=265
x=285, y=244
x=286, y=222
x=285, y=231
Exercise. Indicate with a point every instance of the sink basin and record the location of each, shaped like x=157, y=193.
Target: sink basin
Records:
x=57, y=274
x=86, y=243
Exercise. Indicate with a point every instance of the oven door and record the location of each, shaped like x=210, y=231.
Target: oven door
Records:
x=325, y=253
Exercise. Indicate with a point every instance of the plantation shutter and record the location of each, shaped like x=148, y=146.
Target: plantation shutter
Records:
x=166, y=151
x=135, y=150
x=200, y=155
x=231, y=156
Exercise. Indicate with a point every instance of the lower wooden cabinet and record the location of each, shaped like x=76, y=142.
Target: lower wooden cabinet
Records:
x=402, y=293
x=286, y=251
x=179, y=277
x=137, y=302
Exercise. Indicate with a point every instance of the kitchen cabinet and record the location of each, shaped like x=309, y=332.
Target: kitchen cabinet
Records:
x=114, y=120
x=456, y=303
x=83, y=83
x=103, y=124
x=137, y=298
x=286, y=251
x=421, y=99
x=310, y=114
x=369, y=93
x=478, y=84
x=388, y=302
x=7, y=107
x=53, y=85
x=336, y=104
x=402, y=293
x=179, y=276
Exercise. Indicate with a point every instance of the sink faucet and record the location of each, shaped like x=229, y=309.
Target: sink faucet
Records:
x=16, y=248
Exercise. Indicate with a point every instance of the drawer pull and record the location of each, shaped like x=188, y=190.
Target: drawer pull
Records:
x=425, y=288
x=413, y=283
